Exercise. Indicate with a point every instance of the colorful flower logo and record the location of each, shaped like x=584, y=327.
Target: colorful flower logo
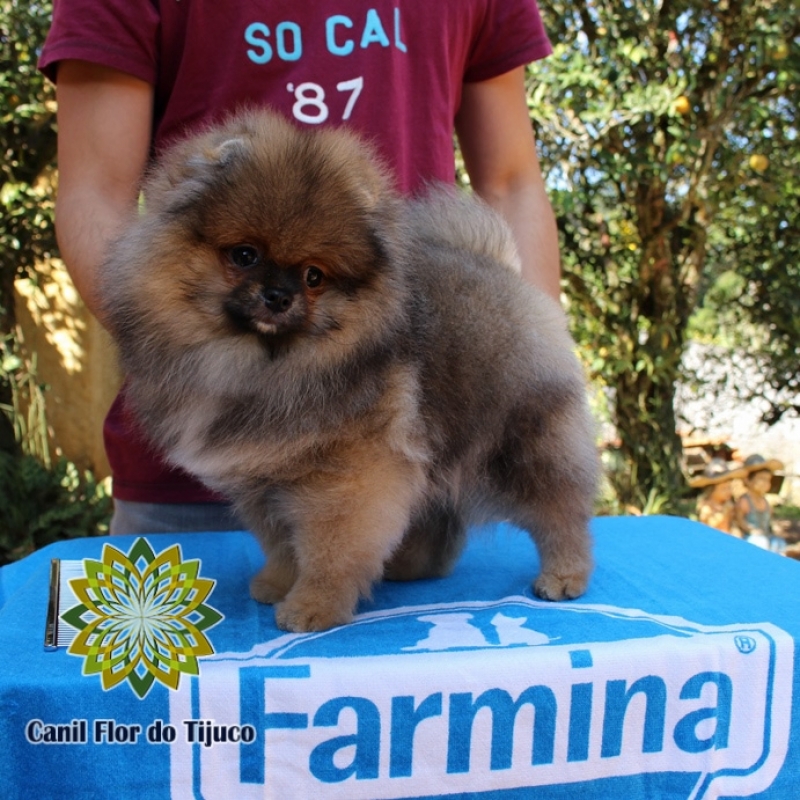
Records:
x=141, y=617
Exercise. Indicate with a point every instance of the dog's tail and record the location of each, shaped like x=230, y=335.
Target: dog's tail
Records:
x=448, y=216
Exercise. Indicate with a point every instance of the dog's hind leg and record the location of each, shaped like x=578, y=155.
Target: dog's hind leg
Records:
x=430, y=547
x=548, y=471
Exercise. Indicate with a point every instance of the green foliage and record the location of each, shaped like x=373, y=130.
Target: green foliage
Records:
x=787, y=511
x=27, y=146
x=27, y=153
x=25, y=412
x=40, y=502
x=645, y=117
x=759, y=235
x=40, y=505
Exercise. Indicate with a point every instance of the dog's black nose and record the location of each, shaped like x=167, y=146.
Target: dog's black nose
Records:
x=277, y=300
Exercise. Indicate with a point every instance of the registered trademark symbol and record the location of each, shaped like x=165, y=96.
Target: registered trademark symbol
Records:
x=745, y=644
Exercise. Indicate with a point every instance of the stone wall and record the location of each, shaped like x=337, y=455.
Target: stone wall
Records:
x=714, y=407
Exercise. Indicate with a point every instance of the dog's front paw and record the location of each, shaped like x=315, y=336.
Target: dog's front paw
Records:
x=300, y=615
x=272, y=584
x=561, y=586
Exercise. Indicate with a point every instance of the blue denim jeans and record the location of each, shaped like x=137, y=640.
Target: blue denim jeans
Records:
x=140, y=518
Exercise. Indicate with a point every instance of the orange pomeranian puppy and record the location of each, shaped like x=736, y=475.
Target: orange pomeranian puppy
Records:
x=364, y=375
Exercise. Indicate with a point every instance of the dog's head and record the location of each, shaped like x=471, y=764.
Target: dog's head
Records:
x=255, y=226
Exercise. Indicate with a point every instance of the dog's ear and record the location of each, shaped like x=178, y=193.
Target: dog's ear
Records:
x=184, y=175
x=373, y=187
x=369, y=177
x=217, y=156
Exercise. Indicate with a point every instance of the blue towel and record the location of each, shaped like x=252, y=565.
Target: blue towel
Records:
x=674, y=676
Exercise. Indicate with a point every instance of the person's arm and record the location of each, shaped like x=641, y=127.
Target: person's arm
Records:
x=742, y=510
x=104, y=128
x=499, y=151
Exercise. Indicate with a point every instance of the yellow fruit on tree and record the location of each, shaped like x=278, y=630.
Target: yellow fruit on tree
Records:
x=780, y=51
x=758, y=162
x=683, y=105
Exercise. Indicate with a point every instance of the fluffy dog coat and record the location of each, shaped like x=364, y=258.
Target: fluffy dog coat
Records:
x=363, y=375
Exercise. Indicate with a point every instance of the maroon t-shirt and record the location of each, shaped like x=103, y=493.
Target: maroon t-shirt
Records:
x=390, y=69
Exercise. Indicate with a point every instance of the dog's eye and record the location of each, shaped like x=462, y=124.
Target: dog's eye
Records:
x=244, y=256
x=314, y=277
